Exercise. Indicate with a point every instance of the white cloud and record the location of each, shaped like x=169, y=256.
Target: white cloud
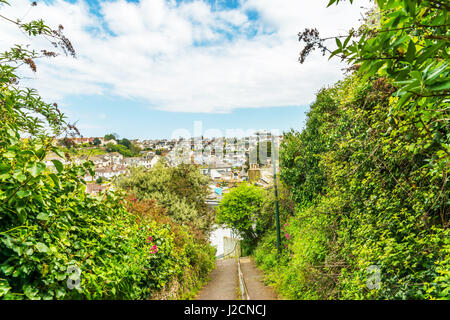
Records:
x=151, y=51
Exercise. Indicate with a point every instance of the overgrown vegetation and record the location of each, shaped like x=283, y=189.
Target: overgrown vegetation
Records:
x=369, y=173
x=181, y=190
x=56, y=241
x=124, y=146
x=240, y=210
x=131, y=151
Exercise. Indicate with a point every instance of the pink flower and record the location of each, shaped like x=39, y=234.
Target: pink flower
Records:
x=154, y=249
x=149, y=239
x=287, y=236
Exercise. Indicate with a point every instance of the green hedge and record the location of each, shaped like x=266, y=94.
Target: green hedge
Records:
x=381, y=203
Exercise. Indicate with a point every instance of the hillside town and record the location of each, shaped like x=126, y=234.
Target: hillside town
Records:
x=226, y=161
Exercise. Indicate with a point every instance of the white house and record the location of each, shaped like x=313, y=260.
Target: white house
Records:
x=109, y=141
x=114, y=157
x=154, y=161
x=109, y=172
x=214, y=174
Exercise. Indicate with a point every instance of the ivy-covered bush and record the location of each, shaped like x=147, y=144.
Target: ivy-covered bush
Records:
x=378, y=206
x=369, y=173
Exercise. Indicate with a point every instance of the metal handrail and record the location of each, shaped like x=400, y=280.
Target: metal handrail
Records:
x=242, y=285
x=220, y=256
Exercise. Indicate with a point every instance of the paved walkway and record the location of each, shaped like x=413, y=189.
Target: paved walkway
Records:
x=253, y=278
x=224, y=282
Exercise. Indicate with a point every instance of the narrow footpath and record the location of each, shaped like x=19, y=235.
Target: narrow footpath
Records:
x=224, y=283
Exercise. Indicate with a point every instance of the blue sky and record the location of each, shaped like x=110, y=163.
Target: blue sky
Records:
x=108, y=115
x=146, y=68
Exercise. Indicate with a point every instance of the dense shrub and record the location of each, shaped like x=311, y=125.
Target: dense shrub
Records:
x=49, y=224
x=190, y=260
x=57, y=241
x=180, y=190
x=379, y=206
x=239, y=210
x=369, y=173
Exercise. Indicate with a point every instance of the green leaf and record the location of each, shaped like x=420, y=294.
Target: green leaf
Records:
x=55, y=179
x=21, y=213
x=347, y=40
x=30, y=291
x=404, y=99
x=9, y=154
x=23, y=193
x=427, y=52
x=42, y=216
x=58, y=165
x=41, y=247
x=7, y=269
x=4, y=168
x=398, y=41
x=335, y=52
x=416, y=75
x=60, y=292
x=47, y=295
x=60, y=276
x=20, y=176
x=441, y=85
x=331, y=2
x=4, y=176
x=436, y=73
x=396, y=16
x=4, y=287
x=4, y=171
x=410, y=6
x=58, y=151
x=35, y=168
x=40, y=153
x=413, y=86
x=411, y=52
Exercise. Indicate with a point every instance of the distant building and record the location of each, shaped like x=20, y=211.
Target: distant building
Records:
x=79, y=140
x=254, y=172
x=94, y=188
x=112, y=141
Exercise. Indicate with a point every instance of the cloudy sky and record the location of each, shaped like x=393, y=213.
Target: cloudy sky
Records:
x=146, y=68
